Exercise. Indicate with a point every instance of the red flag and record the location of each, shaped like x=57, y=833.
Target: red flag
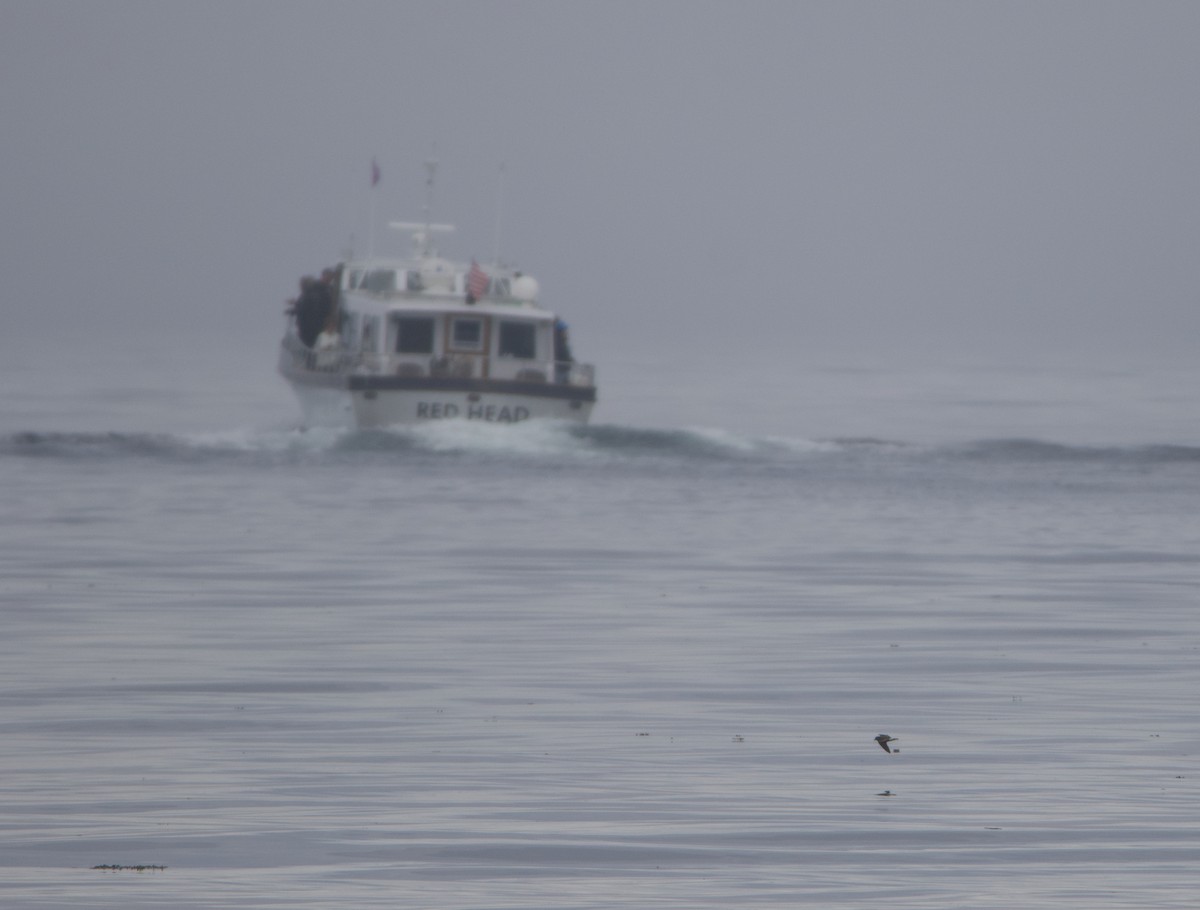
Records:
x=375, y=174
x=477, y=281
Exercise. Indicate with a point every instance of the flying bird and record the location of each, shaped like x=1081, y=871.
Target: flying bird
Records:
x=883, y=739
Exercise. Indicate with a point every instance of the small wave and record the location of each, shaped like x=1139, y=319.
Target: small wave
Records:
x=1114, y=557
x=1035, y=450
x=87, y=445
x=712, y=443
x=1170, y=453
x=642, y=441
x=295, y=440
x=161, y=446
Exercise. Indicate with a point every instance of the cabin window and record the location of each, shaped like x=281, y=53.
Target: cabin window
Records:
x=413, y=282
x=517, y=339
x=466, y=334
x=414, y=335
x=380, y=281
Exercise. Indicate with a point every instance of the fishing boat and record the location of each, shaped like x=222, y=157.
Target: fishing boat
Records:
x=377, y=342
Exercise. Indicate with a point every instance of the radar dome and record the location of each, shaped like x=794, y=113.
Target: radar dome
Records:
x=525, y=287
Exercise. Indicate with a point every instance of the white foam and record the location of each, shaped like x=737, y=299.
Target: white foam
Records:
x=530, y=437
x=250, y=439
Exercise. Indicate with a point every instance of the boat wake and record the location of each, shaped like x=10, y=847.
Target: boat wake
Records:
x=561, y=442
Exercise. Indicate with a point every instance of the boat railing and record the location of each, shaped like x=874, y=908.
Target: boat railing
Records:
x=518, y=369
x=573, y=373
x=298, y=356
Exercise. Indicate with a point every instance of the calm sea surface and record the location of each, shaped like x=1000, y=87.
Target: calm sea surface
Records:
x=635, y=665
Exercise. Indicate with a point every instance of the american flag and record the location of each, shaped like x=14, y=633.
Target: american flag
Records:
x=477, y=281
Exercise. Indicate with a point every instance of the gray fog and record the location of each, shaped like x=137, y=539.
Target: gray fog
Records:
x=832, y=182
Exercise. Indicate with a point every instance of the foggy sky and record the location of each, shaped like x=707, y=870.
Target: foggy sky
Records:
x=842, y=181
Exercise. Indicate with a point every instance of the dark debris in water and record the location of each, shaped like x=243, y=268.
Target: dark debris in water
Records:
x=113, y=867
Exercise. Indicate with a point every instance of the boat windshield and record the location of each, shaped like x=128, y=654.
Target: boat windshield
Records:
x=379, y=281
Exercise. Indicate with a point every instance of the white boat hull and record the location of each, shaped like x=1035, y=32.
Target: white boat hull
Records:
x=334, y=399
x=375, y=404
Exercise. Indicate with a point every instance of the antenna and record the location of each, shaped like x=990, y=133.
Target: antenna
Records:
x=371, y=214
x=371, y=227
x=499, y=216
x=431, y=167
x=422, y=232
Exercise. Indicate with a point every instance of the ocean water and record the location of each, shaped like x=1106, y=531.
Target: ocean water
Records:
x=638, y=664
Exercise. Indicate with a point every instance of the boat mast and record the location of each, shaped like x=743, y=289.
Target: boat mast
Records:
x=423, y=230
x=499, y=213
x=431, y=166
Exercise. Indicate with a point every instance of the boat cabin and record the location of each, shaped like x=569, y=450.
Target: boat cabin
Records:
x=421, y=319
